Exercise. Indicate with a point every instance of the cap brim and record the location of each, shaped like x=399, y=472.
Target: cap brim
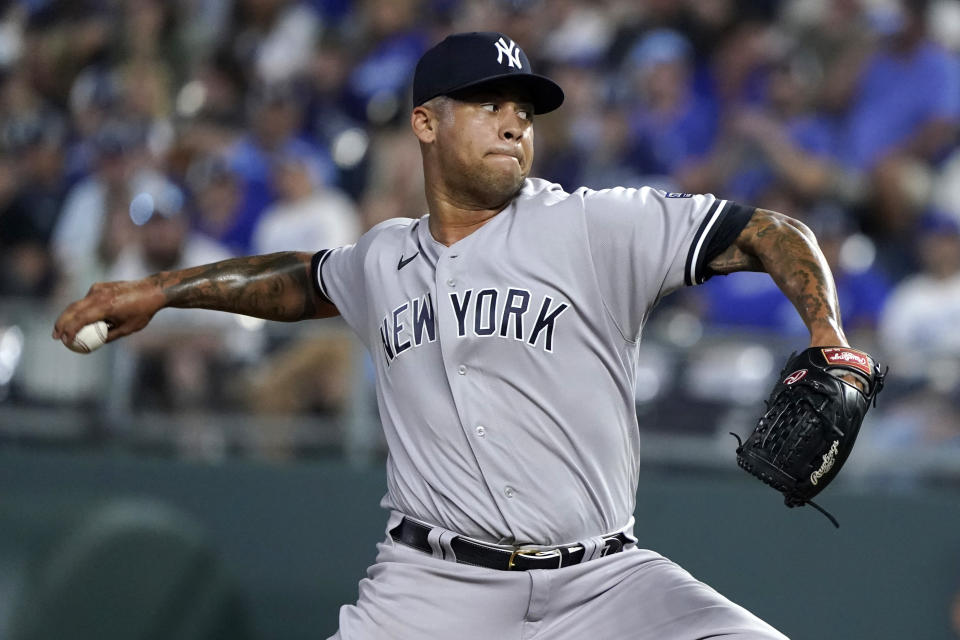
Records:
x=545, y=94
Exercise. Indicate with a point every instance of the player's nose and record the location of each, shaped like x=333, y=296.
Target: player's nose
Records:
x=512, y=125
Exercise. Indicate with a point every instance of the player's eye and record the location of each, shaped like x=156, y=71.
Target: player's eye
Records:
x=526, y=114
x=491, y=107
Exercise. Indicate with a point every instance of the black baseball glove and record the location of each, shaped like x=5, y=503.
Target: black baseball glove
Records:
x=811, y=422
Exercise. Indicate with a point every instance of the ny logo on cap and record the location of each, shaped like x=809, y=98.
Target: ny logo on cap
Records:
x=512, y=52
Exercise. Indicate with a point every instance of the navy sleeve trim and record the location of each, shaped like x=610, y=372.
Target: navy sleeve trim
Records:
x=316, y=268
x=719, y=229
x=694, y=255
x=735, y=218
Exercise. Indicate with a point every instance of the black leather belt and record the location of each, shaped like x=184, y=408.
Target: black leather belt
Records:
x=413, y=534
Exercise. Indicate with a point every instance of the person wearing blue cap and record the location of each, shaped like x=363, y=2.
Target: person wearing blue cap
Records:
x=671, y=128
x=504, y=326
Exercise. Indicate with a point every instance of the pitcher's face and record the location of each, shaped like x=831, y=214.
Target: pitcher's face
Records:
x=485, y=144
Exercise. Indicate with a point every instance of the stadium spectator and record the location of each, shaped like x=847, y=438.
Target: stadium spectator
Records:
x=780, y=144
x=217, y=194
x=918, y=323
x=275, y=38
x=275, y=122
x=670, y=125
x=81, y=224
x=94, y=97
x=176, y=362
x=924, y=418
x=836, y=39
x=307, y=214
x=582, y=33
x=377, y=85
x=903, y=115
x=61, y=39
x=146, y=101
x=572, y=133
x=28, y=215
x=326, y=108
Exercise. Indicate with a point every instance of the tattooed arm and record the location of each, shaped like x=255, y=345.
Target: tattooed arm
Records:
x=277, y=286
x=787, y=250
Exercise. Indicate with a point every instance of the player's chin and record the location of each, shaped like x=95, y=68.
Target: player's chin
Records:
x=492, y=193
x=506, y=171
x=505, y=186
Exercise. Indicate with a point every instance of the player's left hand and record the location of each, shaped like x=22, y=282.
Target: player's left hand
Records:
x=811, y=421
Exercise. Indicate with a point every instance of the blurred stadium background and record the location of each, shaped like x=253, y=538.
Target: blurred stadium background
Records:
x=218, y=476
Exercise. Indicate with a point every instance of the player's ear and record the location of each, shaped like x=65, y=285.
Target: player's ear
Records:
x=423, y=121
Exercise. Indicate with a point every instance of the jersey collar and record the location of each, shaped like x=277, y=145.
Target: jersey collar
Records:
x=425, y=242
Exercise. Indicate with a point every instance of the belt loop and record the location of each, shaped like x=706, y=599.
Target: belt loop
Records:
x=446, y=547
x=433, y=539
x=627, y=531
x=592, y=548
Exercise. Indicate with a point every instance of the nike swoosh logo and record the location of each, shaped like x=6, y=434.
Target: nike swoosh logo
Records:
x=403, y=263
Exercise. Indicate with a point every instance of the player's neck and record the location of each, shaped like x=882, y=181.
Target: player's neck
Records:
x=451, y=222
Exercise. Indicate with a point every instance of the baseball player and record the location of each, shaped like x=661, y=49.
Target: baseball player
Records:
x=504, y=326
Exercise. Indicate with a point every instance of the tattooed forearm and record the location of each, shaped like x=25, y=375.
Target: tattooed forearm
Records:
x=788, y=251
x=275, y=287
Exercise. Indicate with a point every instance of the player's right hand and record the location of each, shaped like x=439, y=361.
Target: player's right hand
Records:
x=125, y=306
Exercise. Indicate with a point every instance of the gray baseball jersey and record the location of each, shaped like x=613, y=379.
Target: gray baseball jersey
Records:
x=505, y=362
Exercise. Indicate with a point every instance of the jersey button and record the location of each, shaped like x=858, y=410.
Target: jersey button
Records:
x=509, y=492
x=451, y=282
x=462, y=369
x=481, y=431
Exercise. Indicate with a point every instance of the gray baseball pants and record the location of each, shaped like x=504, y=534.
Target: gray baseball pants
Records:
x=637, y=594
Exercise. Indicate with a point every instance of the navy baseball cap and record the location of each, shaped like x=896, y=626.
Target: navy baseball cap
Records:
x=469, y=60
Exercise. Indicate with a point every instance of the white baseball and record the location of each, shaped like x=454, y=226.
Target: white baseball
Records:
x=90, y=338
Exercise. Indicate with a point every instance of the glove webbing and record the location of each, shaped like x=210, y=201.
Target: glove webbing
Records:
x=791, y=500
x=803, y=420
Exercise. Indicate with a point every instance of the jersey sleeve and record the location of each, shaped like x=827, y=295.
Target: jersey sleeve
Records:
x=338, y=279
x=646, y=243
x=340, y=275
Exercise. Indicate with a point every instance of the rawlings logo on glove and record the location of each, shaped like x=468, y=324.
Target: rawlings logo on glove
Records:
x=828, y=459
x=811, y=422
x=848, y=357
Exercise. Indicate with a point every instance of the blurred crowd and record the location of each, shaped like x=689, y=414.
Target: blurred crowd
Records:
x=144, y=135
